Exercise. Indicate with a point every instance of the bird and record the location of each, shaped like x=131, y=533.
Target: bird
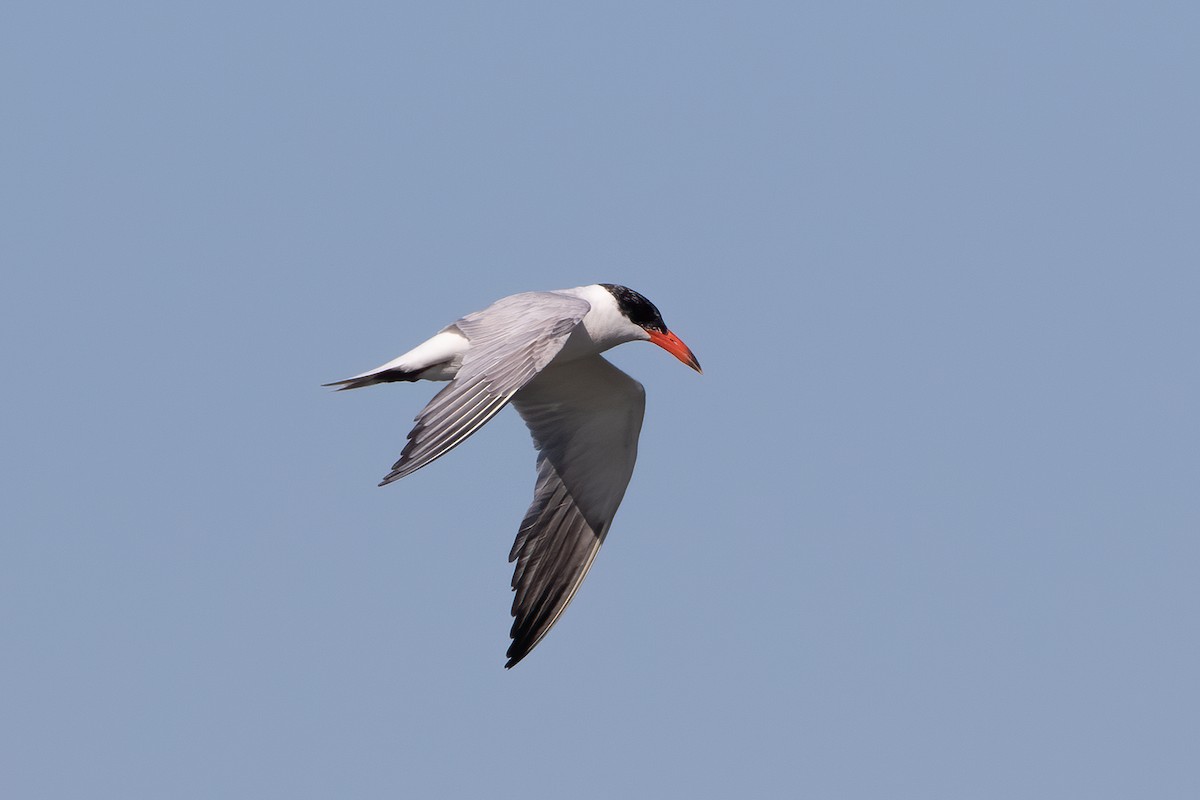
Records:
x=540, y=351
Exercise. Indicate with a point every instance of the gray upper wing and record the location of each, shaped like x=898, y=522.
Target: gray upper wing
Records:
x=512, y=340
x=585, y=417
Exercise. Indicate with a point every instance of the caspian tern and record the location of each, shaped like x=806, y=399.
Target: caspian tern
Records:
x=541, y=352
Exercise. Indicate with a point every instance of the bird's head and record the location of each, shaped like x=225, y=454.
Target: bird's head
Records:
x=642, y=313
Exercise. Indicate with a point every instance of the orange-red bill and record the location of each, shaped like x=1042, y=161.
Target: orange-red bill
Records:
x=673, y=345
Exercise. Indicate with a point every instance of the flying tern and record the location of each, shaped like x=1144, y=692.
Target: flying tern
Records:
x=540, y=351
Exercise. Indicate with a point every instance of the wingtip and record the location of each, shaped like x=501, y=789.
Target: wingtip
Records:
x=514, y=658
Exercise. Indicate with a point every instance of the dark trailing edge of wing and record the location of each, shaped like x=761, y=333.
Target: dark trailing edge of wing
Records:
x=554, y=549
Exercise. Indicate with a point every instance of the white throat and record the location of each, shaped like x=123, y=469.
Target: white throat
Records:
x=604, y=326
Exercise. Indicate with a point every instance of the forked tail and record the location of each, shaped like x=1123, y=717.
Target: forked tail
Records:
x=383, y=376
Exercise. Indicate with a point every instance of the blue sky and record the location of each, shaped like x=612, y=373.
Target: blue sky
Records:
x=927, y=527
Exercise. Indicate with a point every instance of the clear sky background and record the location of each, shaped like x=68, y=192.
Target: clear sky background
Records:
x=928, y=526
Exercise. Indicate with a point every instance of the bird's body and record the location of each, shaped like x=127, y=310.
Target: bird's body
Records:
x=541, y=352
